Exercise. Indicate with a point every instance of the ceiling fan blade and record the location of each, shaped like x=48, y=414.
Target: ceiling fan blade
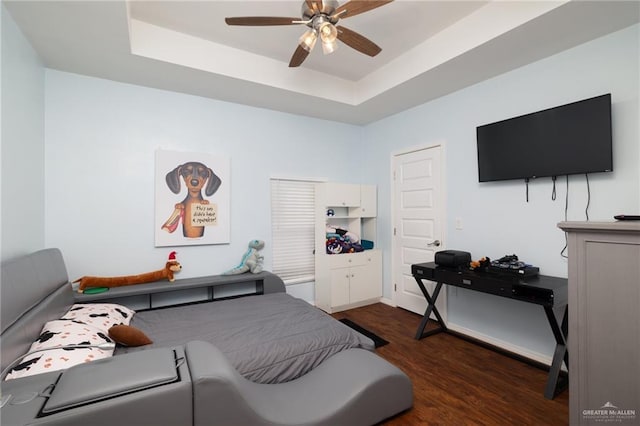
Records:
x=261, y=20
x=298, y=57
x=314, y=5
x=357, y=41
x=356, y=7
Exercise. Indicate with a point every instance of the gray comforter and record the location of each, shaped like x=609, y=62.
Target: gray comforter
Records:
x=272, y=338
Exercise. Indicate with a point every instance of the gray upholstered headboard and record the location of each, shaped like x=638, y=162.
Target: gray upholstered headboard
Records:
x=34, y=289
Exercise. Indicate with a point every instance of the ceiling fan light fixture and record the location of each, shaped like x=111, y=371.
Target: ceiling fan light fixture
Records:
x=328, y=35
x=329, y=47
x=308, y=39
x=328, y=32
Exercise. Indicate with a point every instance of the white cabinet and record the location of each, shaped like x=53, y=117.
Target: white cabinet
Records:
x=354, y=279
x=368, y=202
x=346, y=280
x=339, y=282
x=365, y=281
x=342, y=194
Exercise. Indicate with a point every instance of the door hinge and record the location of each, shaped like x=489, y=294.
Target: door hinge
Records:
x=394, y=175
x=394, y=231
x=395, y=287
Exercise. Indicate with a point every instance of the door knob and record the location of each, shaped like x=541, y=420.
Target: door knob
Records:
x=435, y=243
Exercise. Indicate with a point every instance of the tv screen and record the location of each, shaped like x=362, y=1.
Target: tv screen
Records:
x=568, y=139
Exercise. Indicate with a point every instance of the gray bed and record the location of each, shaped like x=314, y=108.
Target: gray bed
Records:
x=182, y=380
x=272, y=338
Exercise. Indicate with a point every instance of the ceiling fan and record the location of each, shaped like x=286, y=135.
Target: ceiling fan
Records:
x=321, y=16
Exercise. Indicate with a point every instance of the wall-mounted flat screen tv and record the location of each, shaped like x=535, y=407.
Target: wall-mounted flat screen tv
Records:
x=565, y=140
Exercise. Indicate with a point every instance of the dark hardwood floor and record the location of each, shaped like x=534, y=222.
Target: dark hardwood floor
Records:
x=456, y=382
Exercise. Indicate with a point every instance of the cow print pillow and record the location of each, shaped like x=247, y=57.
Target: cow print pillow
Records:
x=54, y=351
x=100, y=315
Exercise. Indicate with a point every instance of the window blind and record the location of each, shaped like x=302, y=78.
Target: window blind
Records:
x=292, y=227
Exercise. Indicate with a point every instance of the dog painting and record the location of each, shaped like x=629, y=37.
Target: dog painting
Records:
x=192, y=191
x=194, y=175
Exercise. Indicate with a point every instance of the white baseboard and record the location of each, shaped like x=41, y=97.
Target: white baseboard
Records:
x=535, y=356
x=387, y=301
x=510, y=347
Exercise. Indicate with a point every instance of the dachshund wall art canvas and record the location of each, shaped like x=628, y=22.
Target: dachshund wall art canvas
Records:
x=192, y=199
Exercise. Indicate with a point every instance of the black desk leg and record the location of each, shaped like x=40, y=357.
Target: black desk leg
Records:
x=555, y=383
x=431, y=301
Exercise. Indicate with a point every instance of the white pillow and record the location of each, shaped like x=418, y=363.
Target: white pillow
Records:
x=54, y=337
x=64, y=332
x=100, y=315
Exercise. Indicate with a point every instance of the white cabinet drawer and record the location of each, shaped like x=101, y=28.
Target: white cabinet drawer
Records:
x=353, y=259
x=345, y=260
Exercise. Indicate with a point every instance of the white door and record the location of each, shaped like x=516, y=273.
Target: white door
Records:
x=418, y=221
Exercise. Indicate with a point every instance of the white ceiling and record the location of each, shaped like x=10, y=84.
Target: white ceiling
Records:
x=429, y=48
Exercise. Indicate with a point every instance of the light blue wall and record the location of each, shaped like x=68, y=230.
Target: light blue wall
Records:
x=496, y=218
x=22, y=144
x=101, y=137
x=100, y=143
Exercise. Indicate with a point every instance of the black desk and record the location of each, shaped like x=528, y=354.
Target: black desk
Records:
x=549, y=292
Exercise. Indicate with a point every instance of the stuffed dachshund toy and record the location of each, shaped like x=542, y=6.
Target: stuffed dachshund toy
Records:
x=251, y=261
x=167, y=272
x=480, y=264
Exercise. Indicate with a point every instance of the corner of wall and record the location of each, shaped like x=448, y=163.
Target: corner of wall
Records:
x=22, y=147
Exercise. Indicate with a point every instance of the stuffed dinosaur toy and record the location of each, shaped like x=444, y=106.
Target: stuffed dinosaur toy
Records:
x=251, y=261
x=167, y=272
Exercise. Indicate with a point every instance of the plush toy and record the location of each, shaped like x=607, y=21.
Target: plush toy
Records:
x=333, y=246
x=167, y=272
x=251, y=261
x=479, y=264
